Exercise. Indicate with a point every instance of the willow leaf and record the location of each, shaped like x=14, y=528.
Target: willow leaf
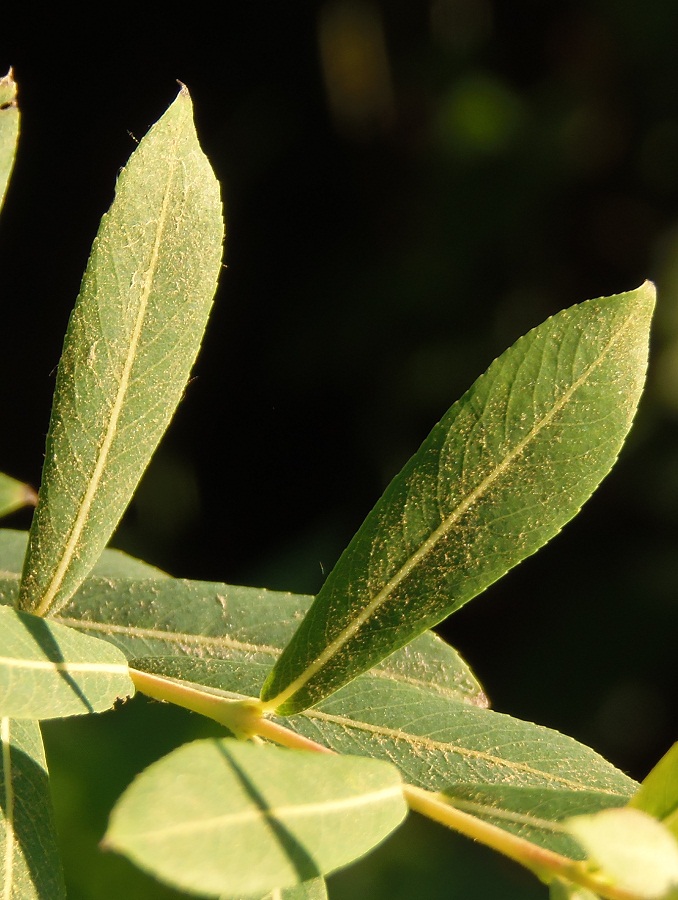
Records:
x=522, y=777
x=9, y=130
x=131, y=341
x=246, y=627
x=505, y=469
x=48, y=670
x=14, y=495
x=111, y=563
x=292, y=816
x=31, y=869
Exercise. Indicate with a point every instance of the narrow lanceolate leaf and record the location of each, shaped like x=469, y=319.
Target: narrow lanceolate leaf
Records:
x=48, y=670
x=220, y=817
x=14, y=494
x=631, y=851
x=9, y=130
x=518, y=776
x=505, y=469
x=235, y=633
x=132, y=339
x=658, y=794
x=31, y=869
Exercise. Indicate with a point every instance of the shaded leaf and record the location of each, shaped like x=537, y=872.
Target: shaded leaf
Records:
x=14, y=495
x=633, y=850
x=224, y=817
x=48, y=670
x=505, y=469
x=9, y=130
x=111, y=564
x=658, y=794
x=130, y=344
x=31, y=869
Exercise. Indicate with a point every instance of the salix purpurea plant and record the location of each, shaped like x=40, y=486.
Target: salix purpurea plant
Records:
x=340, y=712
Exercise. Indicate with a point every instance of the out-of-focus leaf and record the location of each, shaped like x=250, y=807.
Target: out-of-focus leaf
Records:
x=129, y=348
x=505, y=469
x=14, y=495
x=49, y=671
x=221, y=817
x=658, y=794
x=31, y=869
x=559, y=890
x=632, y=850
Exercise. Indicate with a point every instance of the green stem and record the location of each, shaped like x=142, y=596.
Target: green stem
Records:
x=545, y=864
x=242, y=717
x=245, y=718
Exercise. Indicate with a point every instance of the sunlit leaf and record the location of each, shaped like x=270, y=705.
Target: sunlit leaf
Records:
x=9, y=130
x=522, y=777
x=111, y=563
x=227, y=818
x=48, y=670
x=505, y=469
x=130, y=345
x=246, y=627
x=31, y=869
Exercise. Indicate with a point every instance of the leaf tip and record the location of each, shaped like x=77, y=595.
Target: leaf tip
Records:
x=183, y=90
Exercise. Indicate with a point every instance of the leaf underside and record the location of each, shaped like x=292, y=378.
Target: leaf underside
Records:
x=129, y=348
x=504, y=470
x=292, y=816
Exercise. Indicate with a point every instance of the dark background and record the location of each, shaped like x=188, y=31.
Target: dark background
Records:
x=409, y=186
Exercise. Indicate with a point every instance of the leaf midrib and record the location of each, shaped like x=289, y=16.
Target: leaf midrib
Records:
x=281, y=813
x=445, y=526
x=420, y=742
x=82, y=517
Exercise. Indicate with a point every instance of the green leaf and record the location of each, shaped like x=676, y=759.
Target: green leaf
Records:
x=131, y=341
x=222, y=817
x=245, y=627
x=634, y=851
x=505, y=469
x=49, y=671
x=31, y=869
x=522, y=777
x=315, y=889
x=559, y=890
x=111, y=564
x=9, y=130
x=658, y=794
x=14, y=494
